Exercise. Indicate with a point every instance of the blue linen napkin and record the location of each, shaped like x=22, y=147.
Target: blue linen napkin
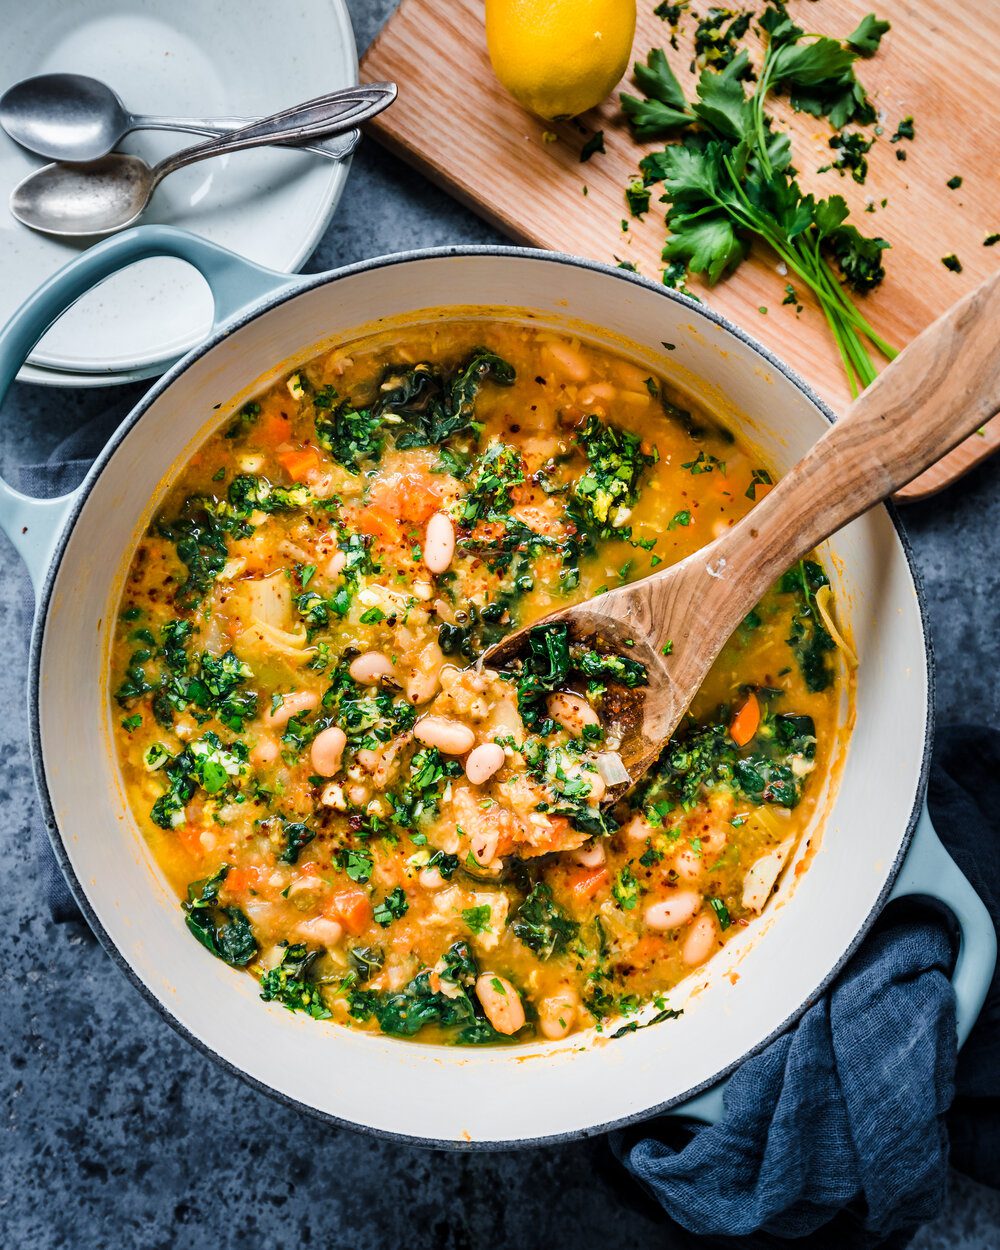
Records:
x=840, y=1131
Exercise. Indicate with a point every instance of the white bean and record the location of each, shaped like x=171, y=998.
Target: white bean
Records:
x=689, y=864
x=430, y=879
x=327, y=750
x=699, y=941
x=336, y=564
x=671, y=912
x=449, y=736
x=591, y=856
x=424, y=677
x=265, y=751
x=291, y=705
x=572, y=711
x=557, y=1013
x=370, y=668
x=568, y=359
x=439, y=543
x=483, y=762
x=321, y=929
x=501, y=1002
x=639, y=829
x=484, y=843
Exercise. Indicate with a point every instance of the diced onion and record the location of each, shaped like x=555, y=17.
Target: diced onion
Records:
x=613, y=771
x=824, y=605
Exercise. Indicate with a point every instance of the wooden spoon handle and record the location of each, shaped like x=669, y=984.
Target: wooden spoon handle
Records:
x=942, y=388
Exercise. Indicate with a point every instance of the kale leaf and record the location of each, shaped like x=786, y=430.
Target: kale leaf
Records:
x=612, y=481
x=290, y=984
x=542, y=925
x=421, y=405
x=809, y=638
x=225, y=931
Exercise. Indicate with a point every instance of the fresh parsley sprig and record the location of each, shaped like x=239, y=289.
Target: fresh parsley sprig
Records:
x=730, y=177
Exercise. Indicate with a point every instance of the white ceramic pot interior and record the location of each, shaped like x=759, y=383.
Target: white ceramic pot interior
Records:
x=495, y=1094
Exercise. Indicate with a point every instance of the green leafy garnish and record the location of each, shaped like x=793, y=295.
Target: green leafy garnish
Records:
x=730, y=178
x=611, y=483
x=289, y=983
x=393, y=907
x=542, y=925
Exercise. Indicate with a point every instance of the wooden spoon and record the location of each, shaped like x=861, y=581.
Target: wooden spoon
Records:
x=941, y=389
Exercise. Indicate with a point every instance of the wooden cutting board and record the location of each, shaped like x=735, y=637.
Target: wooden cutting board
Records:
x=455, y=123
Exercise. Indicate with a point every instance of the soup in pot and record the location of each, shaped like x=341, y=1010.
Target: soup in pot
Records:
x=382, y=831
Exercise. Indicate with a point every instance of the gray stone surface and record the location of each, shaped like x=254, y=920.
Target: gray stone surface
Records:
x=118, y=1134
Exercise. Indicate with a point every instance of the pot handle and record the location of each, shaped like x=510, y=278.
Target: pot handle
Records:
x=928, y=871
x=34, y=525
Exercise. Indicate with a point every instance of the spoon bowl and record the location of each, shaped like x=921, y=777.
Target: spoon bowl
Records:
x=941, y=389
x=87, y=200
x=66, y=117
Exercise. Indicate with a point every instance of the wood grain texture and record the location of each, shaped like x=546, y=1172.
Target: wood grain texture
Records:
x=456, y=123
x=943, y=386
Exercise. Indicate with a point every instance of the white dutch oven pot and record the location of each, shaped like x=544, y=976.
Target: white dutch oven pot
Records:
x=876, y=844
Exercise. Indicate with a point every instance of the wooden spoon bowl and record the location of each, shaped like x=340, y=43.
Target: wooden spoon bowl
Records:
x=941, y=389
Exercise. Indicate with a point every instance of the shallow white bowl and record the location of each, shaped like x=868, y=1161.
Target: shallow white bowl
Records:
x=227, y=57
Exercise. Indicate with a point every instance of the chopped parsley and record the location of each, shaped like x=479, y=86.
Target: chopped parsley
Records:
x=542, y=925
x=730, y=177
x=393, y=907
x=290, y=984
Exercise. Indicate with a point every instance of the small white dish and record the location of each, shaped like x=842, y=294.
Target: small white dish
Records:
x=233, y=57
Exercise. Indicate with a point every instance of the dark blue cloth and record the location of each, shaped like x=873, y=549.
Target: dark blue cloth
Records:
x=839, y=1131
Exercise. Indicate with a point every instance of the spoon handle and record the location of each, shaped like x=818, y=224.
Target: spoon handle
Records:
x=942, y=388
x=332, y=113
x=336, y=148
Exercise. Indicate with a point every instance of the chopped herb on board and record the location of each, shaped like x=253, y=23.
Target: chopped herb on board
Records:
x=952, y=262
x=730, y=178
x=954, y=183
x=866, y=39
x=852, y=155
x=903, y=131
x=594, y=144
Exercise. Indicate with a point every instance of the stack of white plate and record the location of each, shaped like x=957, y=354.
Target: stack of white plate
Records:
x=272, y=205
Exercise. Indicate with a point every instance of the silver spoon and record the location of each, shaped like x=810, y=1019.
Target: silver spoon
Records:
x=70, y=117
x=109, y=194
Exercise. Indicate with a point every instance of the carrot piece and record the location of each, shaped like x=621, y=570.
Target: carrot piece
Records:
x=746, y=721
x=238, y=880
x=418, y=499
x=298, y=464
x=584, y=883
x=411, y=498
x=190, y=838
x=272, y=428
x=353, y=909
x=375, y=520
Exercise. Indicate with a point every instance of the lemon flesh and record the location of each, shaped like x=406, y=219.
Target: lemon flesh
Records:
x=559, y=58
